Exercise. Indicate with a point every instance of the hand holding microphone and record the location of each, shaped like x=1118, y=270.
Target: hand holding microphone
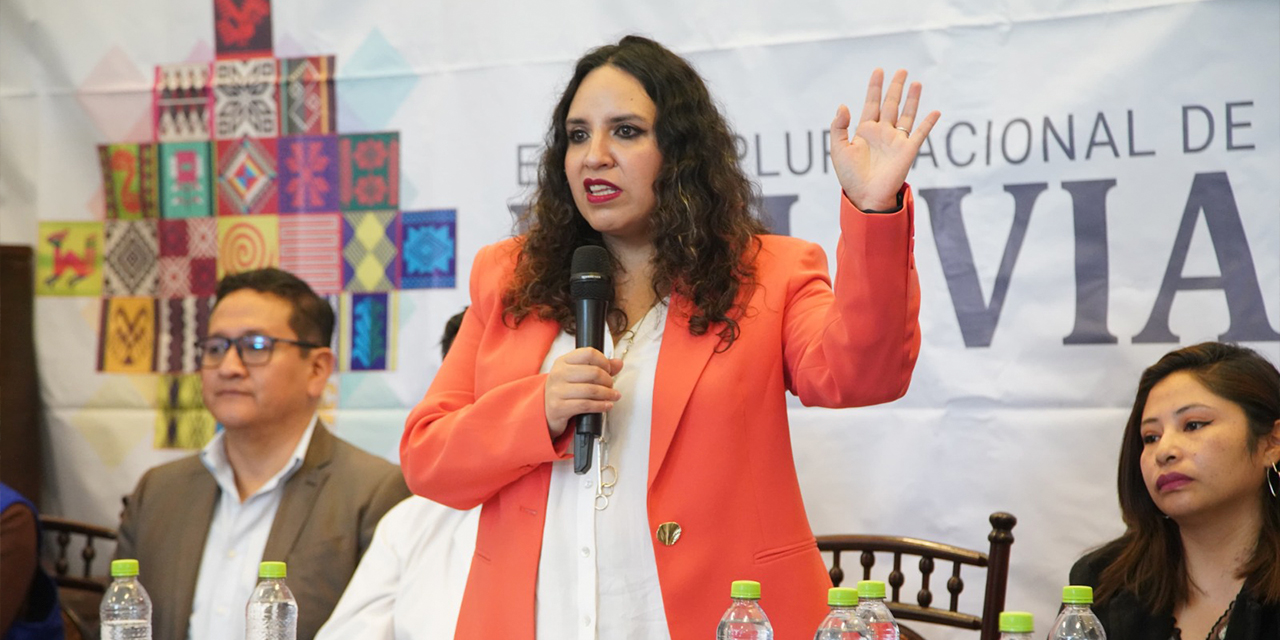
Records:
x=580, y=384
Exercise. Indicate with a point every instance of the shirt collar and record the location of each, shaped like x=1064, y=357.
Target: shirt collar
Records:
x=214, y=458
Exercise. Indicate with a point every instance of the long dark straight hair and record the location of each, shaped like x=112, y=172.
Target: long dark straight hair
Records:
x=1149, y=557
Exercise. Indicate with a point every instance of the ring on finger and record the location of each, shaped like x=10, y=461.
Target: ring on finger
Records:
x=904, y=130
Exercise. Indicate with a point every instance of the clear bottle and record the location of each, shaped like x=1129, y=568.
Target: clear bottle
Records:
x=1016, y=625
x=272, y=613
x=842, y=622
x=874, y=612
x=125, y=612
x=1076, y=621
x=744, y=620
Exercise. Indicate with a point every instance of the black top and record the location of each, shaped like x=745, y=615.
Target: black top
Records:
x=1126, y=618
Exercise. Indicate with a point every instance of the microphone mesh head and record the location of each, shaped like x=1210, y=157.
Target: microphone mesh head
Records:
x=590, y=274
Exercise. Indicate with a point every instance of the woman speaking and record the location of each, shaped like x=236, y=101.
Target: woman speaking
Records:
x=692, y=484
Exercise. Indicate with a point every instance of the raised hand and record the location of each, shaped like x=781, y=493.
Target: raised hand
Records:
x=873, y=164
x=580, y=381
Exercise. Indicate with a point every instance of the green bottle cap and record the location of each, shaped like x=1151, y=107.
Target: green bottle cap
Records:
x=1016, y=622
x=749, y=589
x=1076, y=594
x=842, y=597
x=270, y=569
x=124, y=568
x=871, y=589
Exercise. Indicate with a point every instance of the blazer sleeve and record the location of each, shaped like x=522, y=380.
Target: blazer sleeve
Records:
x=461, y=446
x=127, y=536
x=856, y=345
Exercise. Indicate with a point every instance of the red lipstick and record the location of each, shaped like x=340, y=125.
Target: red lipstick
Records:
x=600, y=191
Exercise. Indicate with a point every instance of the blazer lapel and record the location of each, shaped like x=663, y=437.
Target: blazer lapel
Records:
x=681, y=361
x=198, y=501
x=299, y=497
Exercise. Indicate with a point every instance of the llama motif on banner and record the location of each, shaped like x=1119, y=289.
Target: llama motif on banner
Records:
x=245, y=169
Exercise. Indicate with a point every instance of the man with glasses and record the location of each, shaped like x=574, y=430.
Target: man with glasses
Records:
x=274, y=484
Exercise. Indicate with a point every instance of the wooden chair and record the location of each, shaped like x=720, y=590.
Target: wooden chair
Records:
x=80, y=591
x=995, y=561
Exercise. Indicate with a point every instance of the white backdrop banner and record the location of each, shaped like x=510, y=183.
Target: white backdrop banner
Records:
x=1101, y=189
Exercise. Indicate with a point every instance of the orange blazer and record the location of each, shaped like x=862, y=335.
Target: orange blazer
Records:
x=720, y=462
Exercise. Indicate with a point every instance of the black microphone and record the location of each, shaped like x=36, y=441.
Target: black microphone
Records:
x=591, y=286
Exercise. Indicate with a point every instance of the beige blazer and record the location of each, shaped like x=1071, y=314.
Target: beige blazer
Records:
x=321, y=530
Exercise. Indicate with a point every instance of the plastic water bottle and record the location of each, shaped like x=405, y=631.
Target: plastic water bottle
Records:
x=744, y=620
x=272, y=613
x=874, y=612
x=125, y=612
x=1016, y=625
x=1076, y=621
x=842, y=623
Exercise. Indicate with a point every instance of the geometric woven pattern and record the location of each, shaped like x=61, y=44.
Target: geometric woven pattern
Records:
x=181, y=97
x=306, y=96
x=368, y=331
x=185, y=181
x=188, y=257
x=247, y=181
x=69, y=259
x=129, y=180
x=132, y=250
x=182, y=422
x=244, y=99
x=242, y=27
x=309, y=174
x=128, y=335
x=370, y=258
x=311, y=248
x=181, y=322
x=428, y=254
x=370, y=171
x=246, y=243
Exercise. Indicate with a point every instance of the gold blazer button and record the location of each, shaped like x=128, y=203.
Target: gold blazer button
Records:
x=669, y=533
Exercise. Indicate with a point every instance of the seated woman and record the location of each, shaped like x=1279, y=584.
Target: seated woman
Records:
x=1198, y=490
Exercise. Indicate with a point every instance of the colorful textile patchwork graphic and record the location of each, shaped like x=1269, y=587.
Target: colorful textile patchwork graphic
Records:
x=131, y=266
x=247, y=181
x=181, y=102
x=306, y=96
x=370, y=171
x=181, y=321
x=182, y=421
x=186, y=187
x=368, y=328
x=244, y=99
x=69, y=259
x=428, y=253
x=246, y=243
x=129, y=180
x=311, y=248
x=188, y=257
x=369, y=252
x=309, y=174
x=127, y=342
x=243, y=28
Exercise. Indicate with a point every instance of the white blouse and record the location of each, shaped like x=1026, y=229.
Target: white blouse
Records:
x=597, y=576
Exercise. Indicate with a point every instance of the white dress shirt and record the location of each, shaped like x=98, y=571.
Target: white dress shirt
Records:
x=597, y=576
x=410, y=582
x=237, y=537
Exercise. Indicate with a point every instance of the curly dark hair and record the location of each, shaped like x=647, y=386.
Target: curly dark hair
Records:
x=1149, y=559
x=705, y=222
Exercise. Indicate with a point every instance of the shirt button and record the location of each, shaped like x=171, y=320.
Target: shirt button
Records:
x=231, y=553
x=588, y=484
x=586, y=621
x=586, y=552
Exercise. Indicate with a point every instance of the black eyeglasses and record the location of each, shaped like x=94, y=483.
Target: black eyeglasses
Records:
x=253, y=349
